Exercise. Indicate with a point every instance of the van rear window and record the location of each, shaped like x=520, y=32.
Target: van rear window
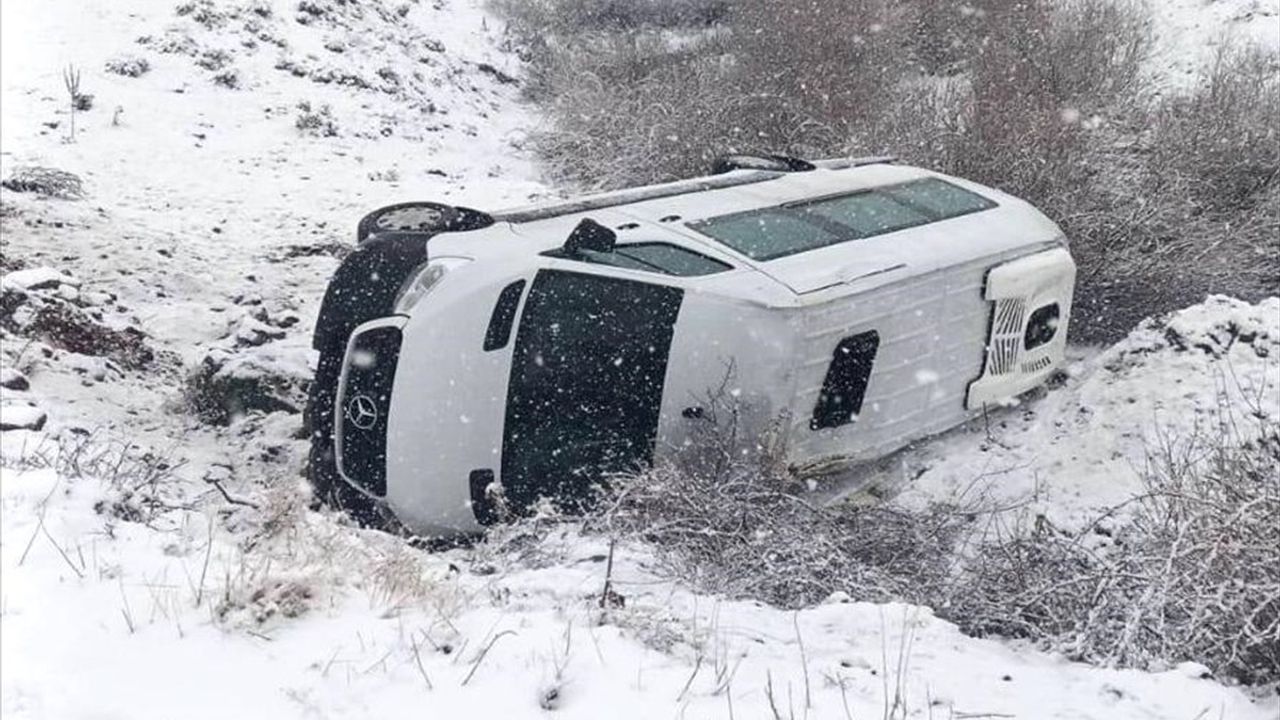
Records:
x=799, y=227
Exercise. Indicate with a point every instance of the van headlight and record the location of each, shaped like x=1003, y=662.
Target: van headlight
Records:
x=424, y=280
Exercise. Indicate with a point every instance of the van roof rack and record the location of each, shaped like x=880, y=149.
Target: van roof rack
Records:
x=853, y=162
x=633, y=195
x=755, y=169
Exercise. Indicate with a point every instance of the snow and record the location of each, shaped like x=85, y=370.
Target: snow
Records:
x=1189, y=33
x=1079, y=450
x=37, y=278
x=212, y=222
x=16, y=416
x=123, y=601
x=11, y=379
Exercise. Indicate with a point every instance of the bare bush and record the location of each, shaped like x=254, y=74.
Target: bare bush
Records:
x=1034, y=75
x=735, y=520
x=1187, y=208
x=318, y=121
x=229, y=79
x=140, y=483
x=1218, y=145
x=49, y=182
x=1185, y=571
x=129, y=66
x=565, y=17
x=669, y=123
x=1192, y=574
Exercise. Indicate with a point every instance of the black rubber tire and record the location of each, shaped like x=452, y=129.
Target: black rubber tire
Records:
x=770, y=162
x=421, y=218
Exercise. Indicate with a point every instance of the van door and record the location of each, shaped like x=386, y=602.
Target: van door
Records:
x=587, y=376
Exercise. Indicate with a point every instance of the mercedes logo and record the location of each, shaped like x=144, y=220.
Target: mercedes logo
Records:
x=362, y=411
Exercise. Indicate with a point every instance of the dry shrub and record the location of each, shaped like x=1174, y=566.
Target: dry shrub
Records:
x=128, y=65
x=1221, y=141
x=639, y=105
x=49, y=182
x=1187, y=207
x=686, y=125
x=567, y=17
x=139, y=484
x=1187, y=570
x=1191, y=574
x=317, y=121
x=747, y=534
x=732, y=519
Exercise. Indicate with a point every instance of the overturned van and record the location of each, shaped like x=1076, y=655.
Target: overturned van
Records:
x=865, y=303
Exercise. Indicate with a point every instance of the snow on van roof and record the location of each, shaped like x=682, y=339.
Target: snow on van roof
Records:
x=672, y=213
x=678, y=188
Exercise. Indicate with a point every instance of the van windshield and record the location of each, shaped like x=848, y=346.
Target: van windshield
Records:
x=776, y=232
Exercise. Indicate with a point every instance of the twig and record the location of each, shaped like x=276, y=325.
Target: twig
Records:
x=233, y=500
x=417, y=659
x=61, y=552
x=479, y=659
x=697, y=665
x=804, y=660
x=208, y=551
x=768, y=693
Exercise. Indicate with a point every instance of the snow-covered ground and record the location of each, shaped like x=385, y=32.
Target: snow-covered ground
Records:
x=1083, y=445
x=211, y=222
x=1187, y=34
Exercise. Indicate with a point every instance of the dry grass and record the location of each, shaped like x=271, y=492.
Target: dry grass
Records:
x=1187, y=570
x=140, y=484
x=1190, y=572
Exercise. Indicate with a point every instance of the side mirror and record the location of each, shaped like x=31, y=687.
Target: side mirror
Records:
x=590, y=235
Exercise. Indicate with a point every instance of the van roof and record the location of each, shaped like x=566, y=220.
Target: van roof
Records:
x=670, y=212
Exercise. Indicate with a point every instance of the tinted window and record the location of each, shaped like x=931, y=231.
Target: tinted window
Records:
x=868, y=213
x=767, y=234
x=587, y=376
x=504, y=314
x=939, y=198
x=781, y=231
x=656, y=257
x=846, y=383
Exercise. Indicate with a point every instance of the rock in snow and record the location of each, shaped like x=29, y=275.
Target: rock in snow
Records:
x=37, y=278
x=227, y=384
x=1194, y=670
x=11, y=379
x=21, y=417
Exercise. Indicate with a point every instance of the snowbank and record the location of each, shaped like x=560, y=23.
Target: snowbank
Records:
x=1081, y=447
x=173, y=626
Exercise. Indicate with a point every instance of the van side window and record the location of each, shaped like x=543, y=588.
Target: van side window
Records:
x=775, y=232
x=504, y=315
x=846, y=383
x=656, y=257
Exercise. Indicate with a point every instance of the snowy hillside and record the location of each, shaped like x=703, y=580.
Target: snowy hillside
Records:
x=157, y=559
